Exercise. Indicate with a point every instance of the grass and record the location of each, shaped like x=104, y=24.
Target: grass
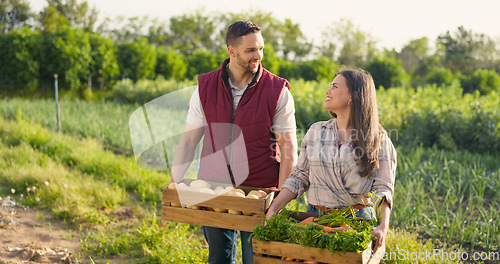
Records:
x=451, y=197
x=101, y=120
x=447, y=198
x=79, y=182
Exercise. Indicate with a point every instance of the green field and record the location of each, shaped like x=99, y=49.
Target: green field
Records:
x=446, y=195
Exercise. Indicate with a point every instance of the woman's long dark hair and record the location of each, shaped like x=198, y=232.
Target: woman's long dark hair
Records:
x=367, y=132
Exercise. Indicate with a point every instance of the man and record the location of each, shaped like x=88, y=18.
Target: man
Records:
x=240, y=104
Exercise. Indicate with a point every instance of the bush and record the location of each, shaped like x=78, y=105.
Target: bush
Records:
x=66, y=52
x=137, y=60
x=103, y=67
x=19, y=61
x=482, y=80
x=170, y=64
x=440, y=76
x=201, y=61
x=388, y=72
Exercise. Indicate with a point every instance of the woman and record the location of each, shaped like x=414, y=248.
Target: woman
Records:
x=346, y=159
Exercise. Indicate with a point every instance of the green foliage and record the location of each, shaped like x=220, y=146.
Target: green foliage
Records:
x=442, y=117
x=449, y=196
x=87, y=157
x=105, y=121
x=281, y=227
x=482, y=80
x=464, y=51
x=309, y=97
x=147, y=243
x=317, y=69
x=143, y=91
x=440, y=76
x=388, y=72
x=270, y=60
x=68, y=13
x=170, y=64
x=136, y=60
x=20, y=61
x=66, y=52
x=103, y=67
x=14, y=14
x=401, y=245
x=201, y=61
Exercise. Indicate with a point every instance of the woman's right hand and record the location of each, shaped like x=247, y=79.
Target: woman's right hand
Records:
x=284, y=197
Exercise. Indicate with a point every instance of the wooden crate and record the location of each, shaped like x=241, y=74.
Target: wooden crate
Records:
x=270, y=252
x=256, y=207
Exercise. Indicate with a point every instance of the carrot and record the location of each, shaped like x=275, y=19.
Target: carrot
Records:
x=335, y=229
x=310, y=262
x=307, y=220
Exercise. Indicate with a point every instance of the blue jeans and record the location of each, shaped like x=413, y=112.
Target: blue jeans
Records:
x=222, y=245
x=366, y=213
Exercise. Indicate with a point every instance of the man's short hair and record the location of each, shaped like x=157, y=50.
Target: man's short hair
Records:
x=239, y=29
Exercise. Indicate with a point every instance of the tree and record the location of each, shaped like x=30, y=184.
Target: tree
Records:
x=465, y=51
x=416, y=57
x=201, y=61
x=68, y=12
x=317, y=69
x=270, y=61
x=136, y=60
x=482, y=80
x=355, y=47
x=294, y=45
x=286, y=38
x=14, y=14
x=126, y=29
x=170, y=64
x=191, y=32
x=388, y=72
x=19, y=61
x=103, y=66
x=440, y=76
x=66, y=52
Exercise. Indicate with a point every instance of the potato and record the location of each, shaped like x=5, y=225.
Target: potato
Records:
x=219, y=190
x=258, y=193
x=195, y=207
x=172, y=186
x=200, y=184
x=250, y=196
x=235, y=212
x=220, y=210
x=238, y=191
x=181, y=186
x=175, y=204
x=206, y=190
x=237, y=194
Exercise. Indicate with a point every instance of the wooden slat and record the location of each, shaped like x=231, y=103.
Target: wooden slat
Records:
x=305, y=253
x=281, y=249
x=268, y=260
x=211, y=200
x=210, y=218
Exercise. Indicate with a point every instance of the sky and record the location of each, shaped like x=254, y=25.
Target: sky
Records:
x=392, y=23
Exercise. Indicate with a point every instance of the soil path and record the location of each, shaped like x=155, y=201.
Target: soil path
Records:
x=30, y=236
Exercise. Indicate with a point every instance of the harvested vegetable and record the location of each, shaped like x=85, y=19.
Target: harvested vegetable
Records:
x=349, y=234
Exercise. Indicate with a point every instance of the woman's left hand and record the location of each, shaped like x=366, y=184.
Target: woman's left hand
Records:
x=380, y=233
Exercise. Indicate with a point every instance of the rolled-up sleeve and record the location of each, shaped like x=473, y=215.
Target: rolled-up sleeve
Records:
x=384, y=177
x=298, y=181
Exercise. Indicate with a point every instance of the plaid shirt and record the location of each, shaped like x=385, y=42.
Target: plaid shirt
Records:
x=330, y=174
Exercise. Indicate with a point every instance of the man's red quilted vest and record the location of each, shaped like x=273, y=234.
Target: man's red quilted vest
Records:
x=252, y=157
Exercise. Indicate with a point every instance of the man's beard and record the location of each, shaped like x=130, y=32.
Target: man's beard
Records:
x=245, y=65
